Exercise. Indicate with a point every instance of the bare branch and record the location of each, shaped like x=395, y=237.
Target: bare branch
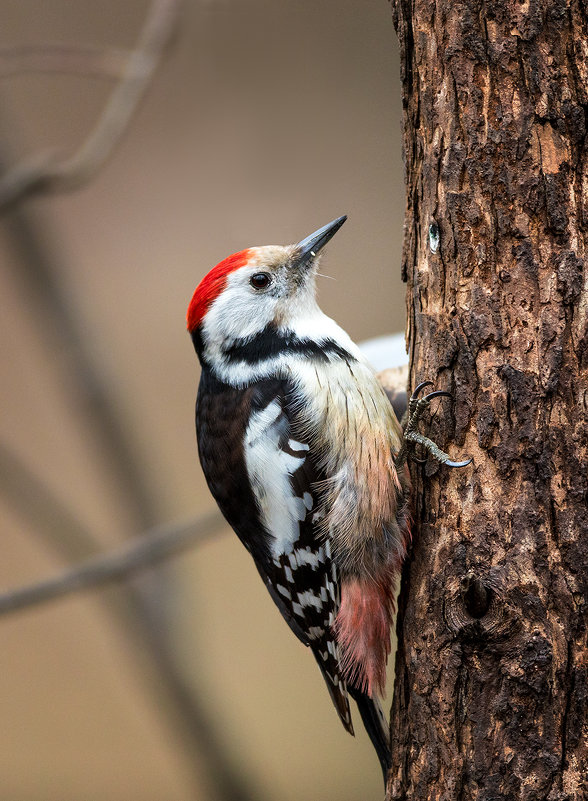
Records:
x=149, y=550
x=136, y=610
x=80, y=59
x=44, y=173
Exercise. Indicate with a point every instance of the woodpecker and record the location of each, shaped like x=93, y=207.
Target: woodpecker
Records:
x=304, y=456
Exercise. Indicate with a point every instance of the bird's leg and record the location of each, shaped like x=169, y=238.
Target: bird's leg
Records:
x=412, y=437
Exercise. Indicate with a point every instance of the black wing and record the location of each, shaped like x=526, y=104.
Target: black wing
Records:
x=263, y=477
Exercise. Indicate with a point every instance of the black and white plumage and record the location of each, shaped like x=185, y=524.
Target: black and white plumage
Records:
x=297, y=441
x=271, y=487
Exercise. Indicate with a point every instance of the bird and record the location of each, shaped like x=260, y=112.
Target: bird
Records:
x=302, y=451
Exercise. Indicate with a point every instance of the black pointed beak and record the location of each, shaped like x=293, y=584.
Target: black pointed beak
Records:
x=308, y=248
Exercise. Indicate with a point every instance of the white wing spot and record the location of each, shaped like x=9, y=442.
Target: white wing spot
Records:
x=297, y=446
x=308, y=557
x=308, y=598
x=283, y=591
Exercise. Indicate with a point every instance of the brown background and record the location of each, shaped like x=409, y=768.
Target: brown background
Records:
x=267, y=120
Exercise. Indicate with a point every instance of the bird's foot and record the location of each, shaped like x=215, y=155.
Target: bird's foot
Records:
x=412, y=437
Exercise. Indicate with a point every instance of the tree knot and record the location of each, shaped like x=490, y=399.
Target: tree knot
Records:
x=475, y=595
x=474, y=609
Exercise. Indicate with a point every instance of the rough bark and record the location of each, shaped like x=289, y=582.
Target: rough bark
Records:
x=491, y=692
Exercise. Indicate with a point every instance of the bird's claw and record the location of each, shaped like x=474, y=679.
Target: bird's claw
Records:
x=421, y=386
x=465, y=463
x=416, y=459
x=412, y=437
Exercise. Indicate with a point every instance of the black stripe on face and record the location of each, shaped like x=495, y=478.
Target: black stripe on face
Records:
x=271, y=342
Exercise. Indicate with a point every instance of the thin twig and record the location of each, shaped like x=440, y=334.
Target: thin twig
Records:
x=79, y=59
x=134, y=610
x=43, y=172
x=149, y=550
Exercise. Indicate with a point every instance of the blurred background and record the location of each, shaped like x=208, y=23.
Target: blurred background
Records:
x=264, y=120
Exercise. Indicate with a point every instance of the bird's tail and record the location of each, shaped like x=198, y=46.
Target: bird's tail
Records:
x=370, y=709
x=325, y=655
x=375, y=724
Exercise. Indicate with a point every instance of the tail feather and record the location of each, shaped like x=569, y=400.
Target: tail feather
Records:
x=369, y=708
x=376, y=726
x=325, y=655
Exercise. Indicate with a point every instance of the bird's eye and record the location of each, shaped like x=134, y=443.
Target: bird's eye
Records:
x=260, y=280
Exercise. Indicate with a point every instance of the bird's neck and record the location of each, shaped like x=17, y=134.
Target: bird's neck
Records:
x=275, y=350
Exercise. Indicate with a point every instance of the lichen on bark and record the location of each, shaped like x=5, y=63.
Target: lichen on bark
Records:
x=491, y=693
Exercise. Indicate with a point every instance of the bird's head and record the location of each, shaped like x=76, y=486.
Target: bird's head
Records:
x=256, y=289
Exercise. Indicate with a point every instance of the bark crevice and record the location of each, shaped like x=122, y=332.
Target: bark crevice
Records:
x=492, y=666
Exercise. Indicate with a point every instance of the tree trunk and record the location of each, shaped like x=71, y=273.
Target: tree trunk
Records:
x=491, y=692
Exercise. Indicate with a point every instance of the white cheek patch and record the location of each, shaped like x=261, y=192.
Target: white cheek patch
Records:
x=236, y=313
x=269, y=469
